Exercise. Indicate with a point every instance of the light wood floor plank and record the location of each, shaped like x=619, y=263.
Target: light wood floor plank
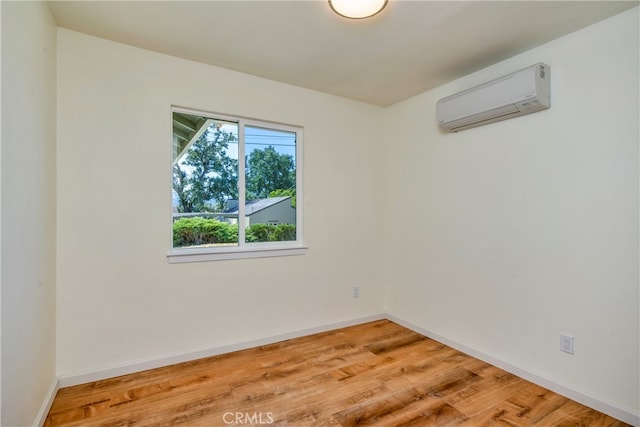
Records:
x=378, y=373
x=496, y=386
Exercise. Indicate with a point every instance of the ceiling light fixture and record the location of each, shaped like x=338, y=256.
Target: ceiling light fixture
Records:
x=357, y=9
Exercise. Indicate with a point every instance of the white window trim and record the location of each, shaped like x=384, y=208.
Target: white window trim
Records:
x=245, y=250
x=198, y=255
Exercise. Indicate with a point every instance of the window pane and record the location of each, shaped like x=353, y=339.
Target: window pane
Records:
x=205, y=181
x=270, y=185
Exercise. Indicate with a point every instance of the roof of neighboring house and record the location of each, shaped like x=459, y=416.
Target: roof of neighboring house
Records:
x=253, y=206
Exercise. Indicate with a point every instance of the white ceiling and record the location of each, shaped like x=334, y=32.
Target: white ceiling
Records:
x=411, y=47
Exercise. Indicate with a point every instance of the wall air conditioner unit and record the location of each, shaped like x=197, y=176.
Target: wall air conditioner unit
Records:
x=523, y=92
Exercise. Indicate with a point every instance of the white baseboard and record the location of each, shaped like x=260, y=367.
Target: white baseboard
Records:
x=46, y=404
x=623, y=414
x=116, y=371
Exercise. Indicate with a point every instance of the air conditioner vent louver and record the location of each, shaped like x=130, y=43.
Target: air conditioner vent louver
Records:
x=523, y=92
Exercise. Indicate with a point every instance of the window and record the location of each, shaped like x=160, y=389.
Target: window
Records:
x=236, y=188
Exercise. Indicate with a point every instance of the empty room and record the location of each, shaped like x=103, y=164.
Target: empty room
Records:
x=305, y=213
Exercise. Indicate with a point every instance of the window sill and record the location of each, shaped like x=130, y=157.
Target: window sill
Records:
x=177, y=256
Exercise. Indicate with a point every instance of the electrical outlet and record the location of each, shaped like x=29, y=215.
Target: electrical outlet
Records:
x=356, y=291
x=566, y=343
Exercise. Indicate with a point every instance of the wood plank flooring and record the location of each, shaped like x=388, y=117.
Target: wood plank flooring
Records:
x=377, y=374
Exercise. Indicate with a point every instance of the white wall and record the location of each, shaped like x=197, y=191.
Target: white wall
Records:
x=504, y=236
x=499, y=238
x=119, y=301
x=28, y=209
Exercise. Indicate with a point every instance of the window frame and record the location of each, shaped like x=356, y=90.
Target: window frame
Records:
x=243, y=250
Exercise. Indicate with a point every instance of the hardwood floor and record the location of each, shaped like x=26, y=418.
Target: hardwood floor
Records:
x=378, y=374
